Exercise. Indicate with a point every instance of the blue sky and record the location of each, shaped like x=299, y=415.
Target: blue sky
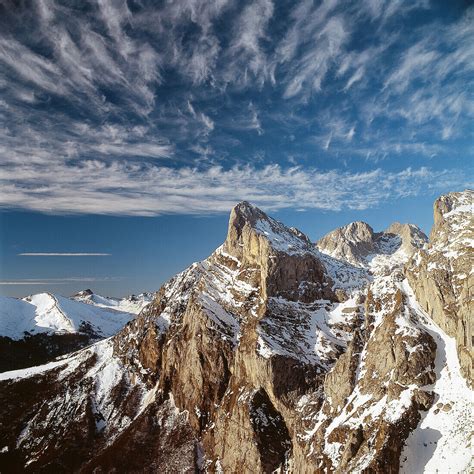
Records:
x=132, y=127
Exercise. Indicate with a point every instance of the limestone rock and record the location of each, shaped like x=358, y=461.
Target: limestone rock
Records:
x=441, y=275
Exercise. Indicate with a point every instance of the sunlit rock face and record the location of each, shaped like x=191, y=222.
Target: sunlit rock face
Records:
x=273, y=354
x=441, y=274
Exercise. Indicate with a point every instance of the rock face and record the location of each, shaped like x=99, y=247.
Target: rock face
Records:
x=270, y=355
x=351, y=243
x=441, y=275
x=355, y=243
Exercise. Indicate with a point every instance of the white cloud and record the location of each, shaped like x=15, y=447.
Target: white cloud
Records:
x=350, y=134
x=62, y=254
x=322, y=46
x=57, y=281
x=427, y=85
x=125, y=189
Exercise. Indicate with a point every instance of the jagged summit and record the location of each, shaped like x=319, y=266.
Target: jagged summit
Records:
x=287, y=260
x=441, y=273
x=451, y=207
x=247, y=211
x=357, y=242
x=412, y=237
x=250, y=227
x=352, y=242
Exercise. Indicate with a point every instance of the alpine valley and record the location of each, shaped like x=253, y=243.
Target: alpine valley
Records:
x=275, y=354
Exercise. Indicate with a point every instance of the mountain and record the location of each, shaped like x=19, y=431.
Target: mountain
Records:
x=37, y=328
x=130, y=304
x=356, y=243
x=273, y=354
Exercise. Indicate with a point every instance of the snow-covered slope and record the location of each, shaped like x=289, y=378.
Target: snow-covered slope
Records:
x=16, y=317
x=53, y=314
x=442, y=440
x=130, y=304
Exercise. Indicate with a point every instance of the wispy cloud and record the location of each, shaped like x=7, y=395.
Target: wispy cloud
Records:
x=155, y=108
x=62, y=254
x=57, y=281
x=120, y=188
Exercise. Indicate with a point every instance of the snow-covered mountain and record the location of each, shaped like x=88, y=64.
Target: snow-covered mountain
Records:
x=357, y=243
x=273, y=354
x=48, y=313
x=130, y=304
x=40, y=327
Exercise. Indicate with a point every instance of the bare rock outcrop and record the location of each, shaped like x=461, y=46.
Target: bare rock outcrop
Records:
x=441, y=275
x=357, y=243
x=351, y=243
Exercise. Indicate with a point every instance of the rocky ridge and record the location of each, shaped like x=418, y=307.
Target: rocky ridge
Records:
x=442, y=274
x=271, y=354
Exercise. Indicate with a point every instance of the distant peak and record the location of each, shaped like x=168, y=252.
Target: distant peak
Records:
x=405, y=229
x=352, y=242
x=360, y=228
x=357, y=231
x=87, y=292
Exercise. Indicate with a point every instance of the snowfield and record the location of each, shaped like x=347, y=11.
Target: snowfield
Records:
x=47, y=313
x=130, y=304
x=442, y=441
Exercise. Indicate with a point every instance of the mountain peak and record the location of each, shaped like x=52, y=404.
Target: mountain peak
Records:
x=411, y=235
x=86, y=292
x=287, y=261
x=244, y=212
x=352, y=242
x=452, y=207
x=248, y=225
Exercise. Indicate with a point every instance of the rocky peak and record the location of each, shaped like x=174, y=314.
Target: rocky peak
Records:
x=412, y=237
x=450, y=208
x=441, y=273
x=244, y=212
x=249, y=224
x=352, y=242
x=282, y=260
x=355, y=242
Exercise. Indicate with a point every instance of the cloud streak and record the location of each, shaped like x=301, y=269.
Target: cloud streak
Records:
x=62, y=254
x=57, y=281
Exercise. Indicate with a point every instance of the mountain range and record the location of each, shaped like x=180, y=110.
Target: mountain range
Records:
x=274, y=354
x=40, y=327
